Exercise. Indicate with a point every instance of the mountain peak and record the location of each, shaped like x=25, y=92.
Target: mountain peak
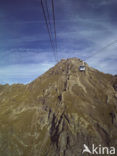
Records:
x=59, y=112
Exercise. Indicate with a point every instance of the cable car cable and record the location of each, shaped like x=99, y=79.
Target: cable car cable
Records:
x=53, y=10
x=47, y=27
x=49, y=22
x=107, y=46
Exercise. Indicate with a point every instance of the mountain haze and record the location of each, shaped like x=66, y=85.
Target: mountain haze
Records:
x=59, y=112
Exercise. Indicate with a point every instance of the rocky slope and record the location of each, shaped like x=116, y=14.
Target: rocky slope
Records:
x=59, y=112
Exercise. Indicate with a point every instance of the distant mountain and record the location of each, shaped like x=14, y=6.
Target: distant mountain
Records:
x=59, y=112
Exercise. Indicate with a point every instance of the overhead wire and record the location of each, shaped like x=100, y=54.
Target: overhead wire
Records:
x=48, y=15
x=53, y=10
x=49, y=22
x=49, y=27
x=107, y=46
x=46, y=21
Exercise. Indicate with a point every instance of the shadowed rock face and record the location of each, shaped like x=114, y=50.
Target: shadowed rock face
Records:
x=59, y=112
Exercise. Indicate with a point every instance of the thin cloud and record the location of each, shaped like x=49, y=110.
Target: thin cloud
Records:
x=18, y=73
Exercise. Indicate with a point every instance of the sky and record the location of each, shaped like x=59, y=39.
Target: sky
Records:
x=86, y=29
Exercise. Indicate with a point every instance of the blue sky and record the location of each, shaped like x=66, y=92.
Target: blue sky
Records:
x=86, y=29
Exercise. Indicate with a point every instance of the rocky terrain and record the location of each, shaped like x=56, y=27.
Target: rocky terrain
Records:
x=59, y=112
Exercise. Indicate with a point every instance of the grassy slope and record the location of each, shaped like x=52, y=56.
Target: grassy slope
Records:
x=38, y=118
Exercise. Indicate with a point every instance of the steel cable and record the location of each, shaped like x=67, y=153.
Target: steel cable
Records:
x=48, y=25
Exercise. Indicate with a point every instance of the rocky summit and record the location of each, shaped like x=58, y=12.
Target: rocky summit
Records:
x=59, y=112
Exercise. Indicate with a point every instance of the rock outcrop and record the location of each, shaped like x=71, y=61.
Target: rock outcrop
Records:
x=59, y=112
